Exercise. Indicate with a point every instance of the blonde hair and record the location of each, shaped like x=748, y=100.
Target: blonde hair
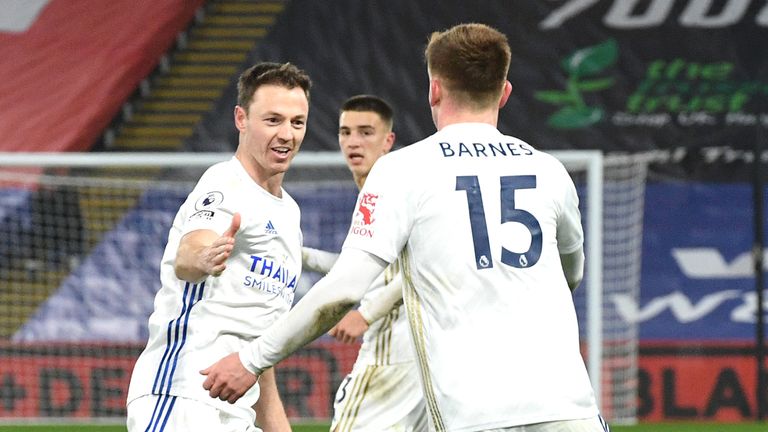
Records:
x=472, y=61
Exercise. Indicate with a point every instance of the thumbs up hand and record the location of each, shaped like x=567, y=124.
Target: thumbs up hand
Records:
x=220, y=250
x=203, y=253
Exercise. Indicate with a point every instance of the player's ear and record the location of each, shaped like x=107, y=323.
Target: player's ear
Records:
x=505, y=93
x=241, y=117
x=389, y=142
x=435, y=91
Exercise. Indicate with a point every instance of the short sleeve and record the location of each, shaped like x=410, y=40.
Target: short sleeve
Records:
x=209, y=209
x=384, y=212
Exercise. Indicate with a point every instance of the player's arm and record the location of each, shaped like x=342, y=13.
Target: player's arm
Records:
x=570, y=235
x=321, y=308
x=270, y=413
x=351, y=327
x=374, y=305
x=318, y=260
x=573, y=267
x=204, y=252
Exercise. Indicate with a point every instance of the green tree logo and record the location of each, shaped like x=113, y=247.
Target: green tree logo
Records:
x=581, y=67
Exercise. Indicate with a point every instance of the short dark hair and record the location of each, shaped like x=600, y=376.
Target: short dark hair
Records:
x=365, y=102
x=472, y=60
x=264, y=73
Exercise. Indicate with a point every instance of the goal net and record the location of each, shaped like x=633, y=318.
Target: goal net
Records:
x=613, y=199
x=82, y=235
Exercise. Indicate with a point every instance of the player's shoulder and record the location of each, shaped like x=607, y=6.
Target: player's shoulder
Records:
x=412, y=153
x=400, y=159
x=546, y=157
x=219, y=172
x=542, y=158
x=218, y=183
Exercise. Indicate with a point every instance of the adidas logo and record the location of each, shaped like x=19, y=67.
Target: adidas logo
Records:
x=270, y=229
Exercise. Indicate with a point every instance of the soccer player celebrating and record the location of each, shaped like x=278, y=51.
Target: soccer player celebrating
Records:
x=229, y=269
x=385, y=363
x=487, y=232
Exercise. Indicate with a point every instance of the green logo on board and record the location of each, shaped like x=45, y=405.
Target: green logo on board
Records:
x=584, y=68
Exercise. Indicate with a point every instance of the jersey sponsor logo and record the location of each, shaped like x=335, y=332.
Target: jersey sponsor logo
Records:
x=202, y=214
x=271, y=277
x=362, y=231
x=477, y=149
x=209, y=201
x=270, y=228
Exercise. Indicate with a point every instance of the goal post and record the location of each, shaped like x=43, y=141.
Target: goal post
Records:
x=591, y=163
x=77, y=229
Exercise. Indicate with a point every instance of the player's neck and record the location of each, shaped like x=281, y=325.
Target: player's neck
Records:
x=270, y=181
x=452, y=115
x=360, y=180
x=274, y=185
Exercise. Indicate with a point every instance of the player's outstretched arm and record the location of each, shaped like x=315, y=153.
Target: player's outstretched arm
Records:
x=318, y=260
x=203, y=252
x=321, y=308
x=374, y=305
x=270, y=413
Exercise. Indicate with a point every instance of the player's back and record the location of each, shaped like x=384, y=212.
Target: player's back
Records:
x=493, y=316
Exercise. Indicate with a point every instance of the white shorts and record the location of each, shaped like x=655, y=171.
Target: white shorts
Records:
x=595, y=424
x=152, y=413
x=380, y=398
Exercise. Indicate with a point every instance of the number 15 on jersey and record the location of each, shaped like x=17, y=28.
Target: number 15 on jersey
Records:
x=509, y=213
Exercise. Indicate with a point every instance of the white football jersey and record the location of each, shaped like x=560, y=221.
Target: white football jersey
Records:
x=195, y=325
x=478, y=220
x=388, y=339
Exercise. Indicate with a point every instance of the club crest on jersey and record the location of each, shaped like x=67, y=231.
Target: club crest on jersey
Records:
x=364, y=215
x=209, y=201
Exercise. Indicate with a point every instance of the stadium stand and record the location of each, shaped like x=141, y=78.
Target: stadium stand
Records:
x=139, y=79
x=76, y=63
x=350, y=47
x=80, y=61
x=192, y=76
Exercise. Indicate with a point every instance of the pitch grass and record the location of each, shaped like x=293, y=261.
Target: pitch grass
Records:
x=320, y=427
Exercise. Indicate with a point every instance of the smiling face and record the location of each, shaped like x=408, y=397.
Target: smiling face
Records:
x=363, y=137
x=271, y=132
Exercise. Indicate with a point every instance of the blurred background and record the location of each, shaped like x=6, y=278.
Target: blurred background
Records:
x=672, y=93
